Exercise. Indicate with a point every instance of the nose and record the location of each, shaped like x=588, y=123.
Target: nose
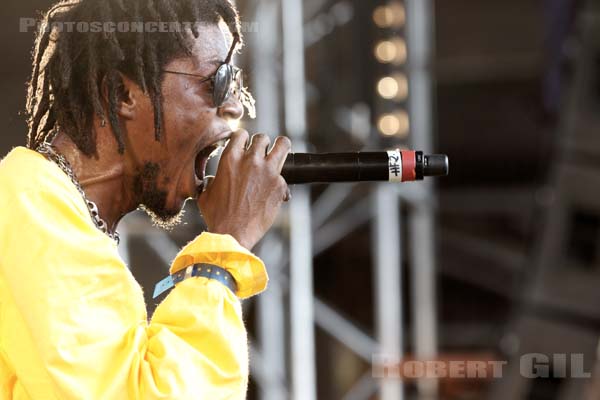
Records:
x=231, y=109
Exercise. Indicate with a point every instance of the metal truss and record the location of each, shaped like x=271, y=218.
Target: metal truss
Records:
x=308, y=239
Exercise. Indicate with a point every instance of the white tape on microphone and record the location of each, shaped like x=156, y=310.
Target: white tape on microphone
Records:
x=394, y=165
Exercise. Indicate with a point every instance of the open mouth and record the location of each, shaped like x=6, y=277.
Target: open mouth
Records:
x=202, y=159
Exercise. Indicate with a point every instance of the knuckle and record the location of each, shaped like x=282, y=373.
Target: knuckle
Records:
x=260, y=137
x=284, y=141
x=228, y=156
x=272, y=166
x=271, y=169
x=240, y=135
x=256, y=155
x=254, y=162
x=282, y=184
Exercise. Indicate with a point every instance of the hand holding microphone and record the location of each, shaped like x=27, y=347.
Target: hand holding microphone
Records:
x=245, y=195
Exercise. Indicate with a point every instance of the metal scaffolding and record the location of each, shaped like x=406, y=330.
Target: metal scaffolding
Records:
x=383, y=208
x=271, y=312
x=420, y=16
x=303, y=373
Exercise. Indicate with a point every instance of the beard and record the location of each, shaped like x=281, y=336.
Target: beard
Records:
x=152, y=200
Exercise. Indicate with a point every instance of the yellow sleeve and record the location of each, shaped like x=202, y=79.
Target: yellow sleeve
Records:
x=73, y=323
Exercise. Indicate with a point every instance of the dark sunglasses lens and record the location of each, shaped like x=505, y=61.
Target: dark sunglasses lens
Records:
x=223, y=79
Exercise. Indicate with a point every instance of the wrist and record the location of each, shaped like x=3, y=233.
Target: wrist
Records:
x=225, y=251
x=209, y=271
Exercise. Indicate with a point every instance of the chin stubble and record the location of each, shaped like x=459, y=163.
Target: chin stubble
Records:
x=152, y=200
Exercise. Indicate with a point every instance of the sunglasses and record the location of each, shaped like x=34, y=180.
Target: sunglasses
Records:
x=226, y=82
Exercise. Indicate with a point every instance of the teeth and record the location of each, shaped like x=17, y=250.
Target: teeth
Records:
x=222, y=143
x=219, y=146
x=214, y=153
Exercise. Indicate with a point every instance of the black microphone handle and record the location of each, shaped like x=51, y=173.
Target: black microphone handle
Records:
x=393, y=166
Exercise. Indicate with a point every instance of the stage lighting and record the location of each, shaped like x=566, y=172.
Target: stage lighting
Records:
x=389, y=16
x=394, y=87
x=391, y=51
x=394, y=124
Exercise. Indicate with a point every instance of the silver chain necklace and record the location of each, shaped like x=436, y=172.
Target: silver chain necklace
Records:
x=49, y=151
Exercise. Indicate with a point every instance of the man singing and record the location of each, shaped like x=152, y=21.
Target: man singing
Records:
x=120, y=119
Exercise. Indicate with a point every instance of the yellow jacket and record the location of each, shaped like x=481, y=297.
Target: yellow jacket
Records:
x=73, y=322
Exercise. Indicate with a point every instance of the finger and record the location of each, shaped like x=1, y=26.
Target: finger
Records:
x=280, y=150
x=208, y=180
x=237, y=142
x=288, y=195
x=284, y=189
x=259, y=145
x=203, y=190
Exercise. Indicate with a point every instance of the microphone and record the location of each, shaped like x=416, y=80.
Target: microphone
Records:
x=392, y=166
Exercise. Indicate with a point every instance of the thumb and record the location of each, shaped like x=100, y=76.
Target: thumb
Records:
x=208, y=180
x=203, y=199
x=207, y=183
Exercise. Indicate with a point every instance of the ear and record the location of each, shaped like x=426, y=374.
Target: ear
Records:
x=127, y=94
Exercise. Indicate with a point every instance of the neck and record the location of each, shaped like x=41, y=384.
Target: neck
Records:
x=102, y=177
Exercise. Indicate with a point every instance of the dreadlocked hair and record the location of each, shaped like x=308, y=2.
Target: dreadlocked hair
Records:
x=73, y=70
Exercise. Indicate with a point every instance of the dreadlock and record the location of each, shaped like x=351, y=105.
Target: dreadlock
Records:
x=71, y=68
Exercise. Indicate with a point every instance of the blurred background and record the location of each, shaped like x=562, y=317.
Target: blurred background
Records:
x=495, y=261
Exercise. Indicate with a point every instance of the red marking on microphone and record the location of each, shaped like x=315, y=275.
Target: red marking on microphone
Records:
x=409, y=163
